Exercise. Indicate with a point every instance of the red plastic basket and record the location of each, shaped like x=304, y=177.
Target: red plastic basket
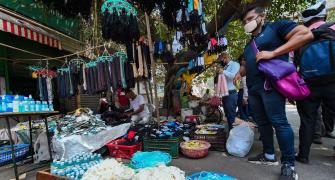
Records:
x=122, y=151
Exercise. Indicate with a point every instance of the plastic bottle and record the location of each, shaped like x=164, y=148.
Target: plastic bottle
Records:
x=3, y=104
x=32, y=106
x=26, y=104
x=51, y=106
x=9, y=103
x=16, y=104
x=46, y=106
x=38, y=106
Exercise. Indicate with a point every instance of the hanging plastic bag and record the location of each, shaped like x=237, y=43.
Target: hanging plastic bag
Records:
x=240, y=140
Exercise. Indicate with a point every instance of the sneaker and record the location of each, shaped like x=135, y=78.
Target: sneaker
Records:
x=329, y=135
x=317, y=140
x=301, y=159
x=288, y=173
x=261, y=159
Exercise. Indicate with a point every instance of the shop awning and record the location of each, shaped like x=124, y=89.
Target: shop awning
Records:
x=24, y=29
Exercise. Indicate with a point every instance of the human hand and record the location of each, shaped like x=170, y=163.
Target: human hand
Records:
x=265, y=55
x=237, y=78
x=245, y=101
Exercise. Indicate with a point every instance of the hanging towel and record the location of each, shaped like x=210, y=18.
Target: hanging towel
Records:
x=134, y=70
x=40, y=87
x=123, y=75
x=49, y=87
x=200, y=8
x=221, y=89
x=84, y=77
x=190, y=6
x=140, y=61
x=196, y=5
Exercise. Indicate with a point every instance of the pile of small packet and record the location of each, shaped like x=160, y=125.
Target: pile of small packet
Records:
x=209, y=129
x=170, y=129
x=80, y=123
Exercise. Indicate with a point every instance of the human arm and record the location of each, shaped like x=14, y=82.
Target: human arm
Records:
x=297, y=37
x=241, y=73
x=139, y=110
x=245, y=90
x=231, y=71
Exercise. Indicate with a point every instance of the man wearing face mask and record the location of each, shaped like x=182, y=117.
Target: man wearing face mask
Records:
x=230, y=69
x=274, y=40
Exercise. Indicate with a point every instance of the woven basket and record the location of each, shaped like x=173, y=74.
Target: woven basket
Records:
x=195, y=153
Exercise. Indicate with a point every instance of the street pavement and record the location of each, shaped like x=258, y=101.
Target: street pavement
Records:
x=321, y=167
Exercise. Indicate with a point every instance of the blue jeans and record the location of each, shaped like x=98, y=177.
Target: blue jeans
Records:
x=269, y=111
x=229, y=106
x=242, y=108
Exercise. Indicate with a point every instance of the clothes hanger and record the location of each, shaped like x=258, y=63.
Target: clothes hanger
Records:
x=105, y=55
x=117, y=6
x=78, y=61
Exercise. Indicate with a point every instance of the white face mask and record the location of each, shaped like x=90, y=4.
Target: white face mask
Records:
x=250, y=26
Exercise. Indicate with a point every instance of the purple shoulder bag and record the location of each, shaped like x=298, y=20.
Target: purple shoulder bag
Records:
x=283, y=76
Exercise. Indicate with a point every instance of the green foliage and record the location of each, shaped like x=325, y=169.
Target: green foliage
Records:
x=331, y=16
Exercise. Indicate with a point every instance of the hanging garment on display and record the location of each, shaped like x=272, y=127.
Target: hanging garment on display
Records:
x=221, y=88
x=45, y=90
x=64, y=84
x=84, y=77
x=217, y=45
x=95, y=76
x=119, y=22
x=140, y=61
x=49, y=89
x=190, y=21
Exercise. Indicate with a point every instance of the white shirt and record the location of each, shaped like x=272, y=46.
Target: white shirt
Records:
x=136, y=103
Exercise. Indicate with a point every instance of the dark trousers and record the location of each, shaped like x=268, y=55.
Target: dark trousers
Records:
x=243, y=110
x=229, y=106
x=325, y=122
x=269, y=112
x=308, y=111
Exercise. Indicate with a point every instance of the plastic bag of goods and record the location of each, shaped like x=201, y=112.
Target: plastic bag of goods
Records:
x=150, y=159
x=109, y=169
x=161, y=172
x=204, y=175
x=240, y=140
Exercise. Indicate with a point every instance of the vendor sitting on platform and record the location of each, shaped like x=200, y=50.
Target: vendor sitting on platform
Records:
x=139, y=111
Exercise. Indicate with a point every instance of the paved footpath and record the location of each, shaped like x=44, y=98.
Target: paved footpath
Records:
x=321, y=167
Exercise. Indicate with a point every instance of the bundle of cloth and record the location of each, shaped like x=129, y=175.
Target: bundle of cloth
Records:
x=120, y=27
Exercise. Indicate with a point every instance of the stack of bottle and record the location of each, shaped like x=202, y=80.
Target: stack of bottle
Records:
x=9, y=103
x=76, y=166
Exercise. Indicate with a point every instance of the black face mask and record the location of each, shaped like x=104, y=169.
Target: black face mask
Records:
x=223, y=63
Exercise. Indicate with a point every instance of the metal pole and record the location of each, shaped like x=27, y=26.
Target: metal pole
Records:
x=12, y=148
x=31, y=149
x=147, y=91
x=153, y=64
x=48, y=136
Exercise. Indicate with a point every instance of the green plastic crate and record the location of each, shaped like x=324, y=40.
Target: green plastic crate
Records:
x=170, y=145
